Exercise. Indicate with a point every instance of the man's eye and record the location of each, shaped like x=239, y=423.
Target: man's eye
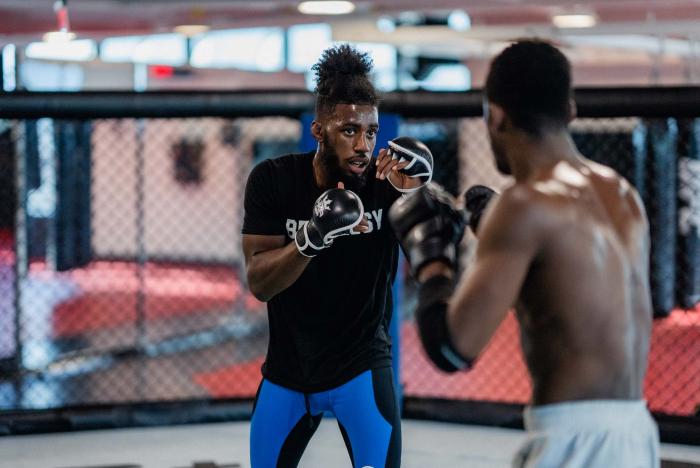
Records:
x=372, y=133
x=349, y=131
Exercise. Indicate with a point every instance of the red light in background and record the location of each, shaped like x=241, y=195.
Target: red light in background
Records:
x=161, y=71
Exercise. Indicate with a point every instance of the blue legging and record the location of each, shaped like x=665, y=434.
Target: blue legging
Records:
x=285, y=420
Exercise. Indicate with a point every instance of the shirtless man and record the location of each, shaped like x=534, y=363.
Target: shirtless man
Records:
x=566, y=245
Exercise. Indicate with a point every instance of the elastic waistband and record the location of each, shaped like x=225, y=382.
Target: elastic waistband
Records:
x=588, y=414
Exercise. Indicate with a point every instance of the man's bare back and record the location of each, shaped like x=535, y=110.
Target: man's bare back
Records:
x=584, y=306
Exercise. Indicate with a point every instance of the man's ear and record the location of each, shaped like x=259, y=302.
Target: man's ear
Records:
x=497, y=118
x=317, y=130
x=573, y=112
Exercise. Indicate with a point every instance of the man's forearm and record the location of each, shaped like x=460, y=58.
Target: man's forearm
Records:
x=431, y=317
x=273, y=271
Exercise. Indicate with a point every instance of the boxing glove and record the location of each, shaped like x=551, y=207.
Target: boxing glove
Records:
x=429, y=226
x=336, y=212
x=476, y=198
x=420, y=159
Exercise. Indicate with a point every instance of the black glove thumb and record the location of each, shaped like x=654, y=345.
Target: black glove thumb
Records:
x=476, y=199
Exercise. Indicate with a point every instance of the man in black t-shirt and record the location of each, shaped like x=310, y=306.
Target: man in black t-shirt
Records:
x=320, y=252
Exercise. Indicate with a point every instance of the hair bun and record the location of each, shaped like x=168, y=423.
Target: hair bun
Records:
x=340, y=60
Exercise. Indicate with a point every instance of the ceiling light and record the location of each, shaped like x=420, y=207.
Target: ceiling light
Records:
x=574, y=21
x=386, y=24
x=58, y=36
x=459, y=20
x=448, y=77
x=71, y=51
x=326, y=7
x=9, y=67
x=411, y=18
x=190, y=30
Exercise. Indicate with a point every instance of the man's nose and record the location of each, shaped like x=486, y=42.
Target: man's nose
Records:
x=361, y=144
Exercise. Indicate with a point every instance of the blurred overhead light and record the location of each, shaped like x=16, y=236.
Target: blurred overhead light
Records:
x=9, y=67
x=385, y=61
x=156, y=49
x=306, y=43
x=574, y=21
x=253, y=49
x=190, y=30
x=161, y=49
x=459, y=20
x=73, y=51
x=452, y=77
x=326, y=7
x=386, y=24
x=58, y=36
x=411, y=18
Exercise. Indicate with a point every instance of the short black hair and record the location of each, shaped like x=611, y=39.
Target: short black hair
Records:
x=531, y=81
x=342, y=77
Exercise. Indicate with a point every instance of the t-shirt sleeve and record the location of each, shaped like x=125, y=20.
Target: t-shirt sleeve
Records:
x=261, y=203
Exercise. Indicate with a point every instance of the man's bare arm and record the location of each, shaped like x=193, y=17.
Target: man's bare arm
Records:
x=271, y=267
x=509, y=239
x=454, y=327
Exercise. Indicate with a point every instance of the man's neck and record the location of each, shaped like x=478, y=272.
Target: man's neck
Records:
x=529, y=155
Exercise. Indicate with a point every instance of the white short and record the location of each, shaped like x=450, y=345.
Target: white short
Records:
x=592, y=433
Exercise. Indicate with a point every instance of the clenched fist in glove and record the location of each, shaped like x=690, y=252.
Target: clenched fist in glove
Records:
x=429, y=226
x=336, y=212
x=476, y=198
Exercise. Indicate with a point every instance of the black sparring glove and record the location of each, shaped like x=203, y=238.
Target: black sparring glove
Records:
x=476, y=198
x=420, y=157
x=336, y=213
x=429, y=226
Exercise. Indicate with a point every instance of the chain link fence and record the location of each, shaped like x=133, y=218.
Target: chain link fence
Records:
x=121, y=277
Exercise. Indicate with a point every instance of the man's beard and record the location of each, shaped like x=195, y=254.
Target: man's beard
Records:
x=330, y=162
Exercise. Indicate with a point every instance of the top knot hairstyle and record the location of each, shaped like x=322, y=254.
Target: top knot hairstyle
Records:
x=531, y=81
x=342, y=77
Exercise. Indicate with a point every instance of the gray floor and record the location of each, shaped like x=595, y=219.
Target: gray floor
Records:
x=425, y=444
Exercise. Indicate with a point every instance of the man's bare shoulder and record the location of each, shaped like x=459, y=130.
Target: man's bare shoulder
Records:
x=519, y=193
x=609, y=176
x=517, y=199
x=528, y=200
x=548, y=202
x=523, y=205
x=620, y=185
x=604, y=172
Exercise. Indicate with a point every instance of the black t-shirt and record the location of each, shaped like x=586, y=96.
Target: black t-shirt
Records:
x=332, y=323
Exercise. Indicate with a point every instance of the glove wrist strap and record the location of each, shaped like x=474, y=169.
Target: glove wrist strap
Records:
x=409, y=190
x=431, y=251
x=304, y=244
